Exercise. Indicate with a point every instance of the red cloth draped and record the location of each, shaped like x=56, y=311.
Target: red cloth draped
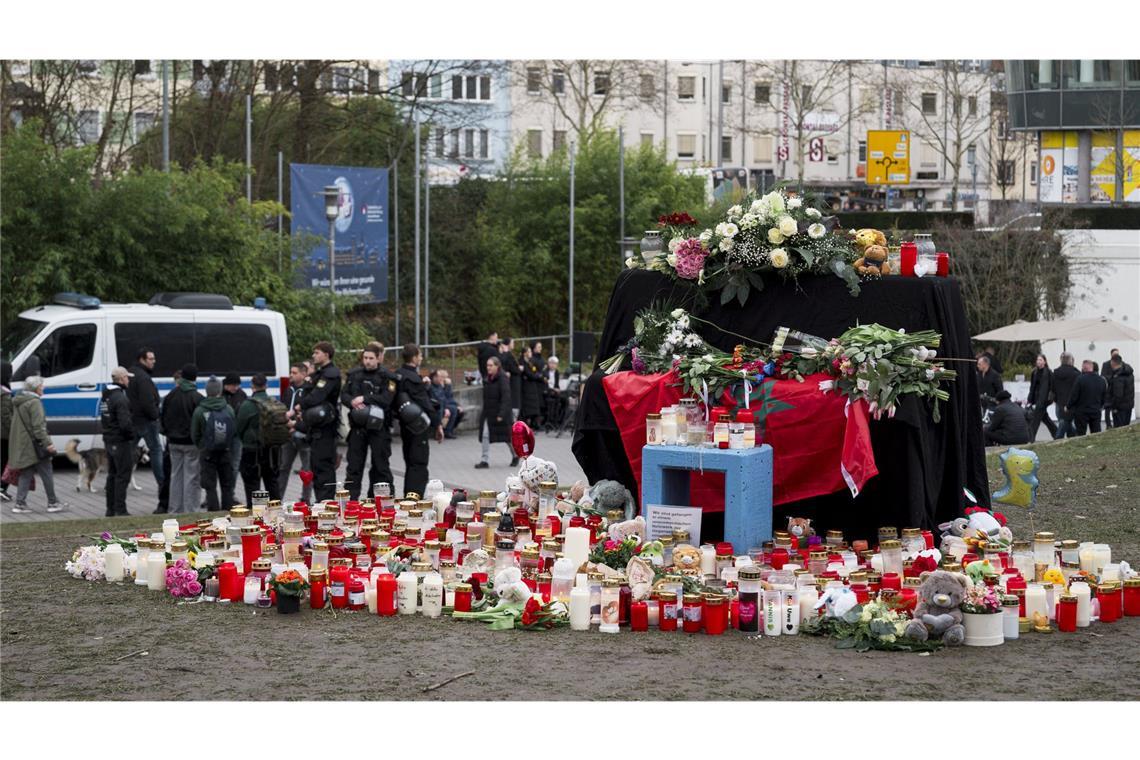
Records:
x=819, y=446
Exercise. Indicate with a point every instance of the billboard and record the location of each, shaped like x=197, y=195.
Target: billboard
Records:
x=888, y=157
x=1058, y=167
x=361, y=237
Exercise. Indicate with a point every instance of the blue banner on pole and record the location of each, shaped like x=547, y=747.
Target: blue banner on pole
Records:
x=361, y=238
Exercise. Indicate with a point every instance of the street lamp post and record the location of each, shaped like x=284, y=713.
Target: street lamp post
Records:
x=332, y=210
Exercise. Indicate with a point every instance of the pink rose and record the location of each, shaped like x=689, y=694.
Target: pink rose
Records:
x=194, y=587
x=610, y=545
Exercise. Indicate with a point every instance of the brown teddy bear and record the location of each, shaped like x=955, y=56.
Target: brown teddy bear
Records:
x=937, y=612
x=867, y=237
x=873, y=262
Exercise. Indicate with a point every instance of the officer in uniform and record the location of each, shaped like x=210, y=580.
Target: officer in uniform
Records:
x=415, y=443
x=320, y=416
x=369, y=393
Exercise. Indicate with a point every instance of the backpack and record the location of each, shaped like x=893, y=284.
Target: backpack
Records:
x=219, y=432
x=273, y=425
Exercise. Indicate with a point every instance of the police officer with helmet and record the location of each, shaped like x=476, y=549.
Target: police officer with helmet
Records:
x=319, y=413
x=418, y=418
x=369, y=393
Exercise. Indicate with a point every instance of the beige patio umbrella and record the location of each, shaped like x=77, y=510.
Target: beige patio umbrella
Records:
x=1099, y=328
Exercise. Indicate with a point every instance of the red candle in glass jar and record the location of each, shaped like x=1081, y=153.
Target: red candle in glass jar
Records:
x=1132, y=597
x=532, y=584
x=386, y=589
x=338, y=587
x=969, y=557
x=1067, y=614
x=928, y=539
x=860, y=545
x=862, y=592
x=639, y=616
x=544, y=588
x=463, y=598
x=317, y=589
x=250, y=549
x=715, y=616
x=734, y=614
x=625, y=599
x=908, y=257
x=691, y=614
x=724, y=547
x=556, y=524
x=943, y=264
x=227, y=573
x=906, y=600
x=779, y=558
x=356, y=594
x=891, y=581
x=521, y=517
x=594, y=523
x=1111, y=603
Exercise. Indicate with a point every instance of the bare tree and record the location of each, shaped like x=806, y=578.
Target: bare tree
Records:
x=947, y=111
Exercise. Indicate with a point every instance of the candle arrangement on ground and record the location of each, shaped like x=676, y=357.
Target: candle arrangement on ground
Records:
x=535, y=557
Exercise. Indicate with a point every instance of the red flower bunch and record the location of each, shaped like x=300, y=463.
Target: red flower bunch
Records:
x=924, y=564
x=538, y=616
x=676, y=219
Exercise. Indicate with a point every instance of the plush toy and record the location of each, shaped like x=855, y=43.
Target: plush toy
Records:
x=609, y=494
x=937, y=612
x=623, y=530
x=478, y=561
x=867, y=237
x=653, y=552
x=1020, y=469
x=639, y=574
x=980, y=569
x=509, y=585
x=873, y=262
x=686, y=557
x=837, y=600
x=535, y=470
x=1054, y=575
x=800, y=528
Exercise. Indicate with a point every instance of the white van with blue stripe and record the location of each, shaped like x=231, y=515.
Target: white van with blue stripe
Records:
x=76, y=341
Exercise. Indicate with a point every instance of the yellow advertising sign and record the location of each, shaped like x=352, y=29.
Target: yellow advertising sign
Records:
x=888, y=157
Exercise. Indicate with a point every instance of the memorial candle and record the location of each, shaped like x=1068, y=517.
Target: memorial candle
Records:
x=114, y=561
x=579, y=608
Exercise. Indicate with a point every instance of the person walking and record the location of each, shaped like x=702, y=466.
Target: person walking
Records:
x=495, y=418
x=1121, y=392
x=177, y=414
x=416, y=448
x=1007, y=425
x=119, y=439
x=262, y=430
x=31, y=447
x=1064, y=378
x=989, y=383
x=530, y=409
x=1040, y=396
x=5, y=422
x=297, y=448
x=319, y=414
x=234, y=395
x=510, y=366
x=213, y=430
x=145, y=401
x=369, y=394
x=1106, y=373
x=1087, y=399
x=485, y=350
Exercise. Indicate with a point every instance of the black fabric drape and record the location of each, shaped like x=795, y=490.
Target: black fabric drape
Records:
x=923, y=465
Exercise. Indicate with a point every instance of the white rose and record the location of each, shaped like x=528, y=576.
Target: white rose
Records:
x=726, y=244
x=735, y=211
x=774, y=200
x=813, y=213
x=795, y=202
x=748, y=221
x=775, y=237
x=727, y=229
x=757, y=206
x=631, y=263
x=705, y=236
x=677, y=313
x=683, y=322
x=675, y=243
x=816, y=231
x=672, y=259
x=788, y=226
x=778, y=257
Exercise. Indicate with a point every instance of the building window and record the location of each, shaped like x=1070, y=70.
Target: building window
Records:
x=88, y=127
x=484, y=88
x=928, y=64
x=1005, y=172
x=144, y=122
x=142, y=69
x=533, y=80
x=926, y=175
x=898, y=101
x=534, y=143
x=1033, y=173
x=340, y=79
x=647, y=89
x=436, y=87
x=88, y=68
x=472, y=88
x=601, y=83
x=725, y=149
x=407, y=83
x=762, y=93
x=454, y=143
x=559, y=140
x=971, y=155
x=484, y=143
x=469, y=143
x=272, y=78
x=930, y=103
x=862, y=151
x=805, y=95
x=972, y=105
x=456, y=87
x=832, y=159
x=647, y=139
x=762, y=149
x=686, y=145
x=558, y=82
x=358, y=80
x=373, y=80
x=686, y=88
x=726, y=92
x=440, y=141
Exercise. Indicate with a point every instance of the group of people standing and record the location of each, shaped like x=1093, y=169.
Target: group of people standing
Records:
x=1081, y=397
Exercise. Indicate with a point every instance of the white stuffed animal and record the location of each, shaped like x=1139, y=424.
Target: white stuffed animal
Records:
x=623, y=530
x=837, y=600
x=509, y=586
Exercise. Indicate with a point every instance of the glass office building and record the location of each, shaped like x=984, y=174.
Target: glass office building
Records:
x=1086, y=114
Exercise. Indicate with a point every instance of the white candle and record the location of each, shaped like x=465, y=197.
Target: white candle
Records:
x=791, y=611
x=252, y=590
x=577, y=546
x=406, y=592
x=142, y=551
x=708, y=560
x=169, y=531
x=1102, y=555
x=877, y=563
x=1080, y=590
x=113, y=563
x=808, y=598
x=1035, y=600
x=370, y=598
x=653, y=608
x=156, y=570
x=743, y=561
x=1110, y=572
x=579, y=608
x=1086, y=556
x=433, y=595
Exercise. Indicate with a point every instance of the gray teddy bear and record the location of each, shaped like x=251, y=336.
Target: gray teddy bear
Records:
x=937, y=613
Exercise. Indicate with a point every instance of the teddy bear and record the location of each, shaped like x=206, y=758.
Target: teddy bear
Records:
x=873, y=262
x=686, y=557
x=867, y=237
x=937, y=612
x=623, y=530
x=800, y=528
x=606, y=495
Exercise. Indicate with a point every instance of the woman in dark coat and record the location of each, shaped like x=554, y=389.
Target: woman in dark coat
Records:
x=1040, y=396
x=495, y=418
x=532, y=386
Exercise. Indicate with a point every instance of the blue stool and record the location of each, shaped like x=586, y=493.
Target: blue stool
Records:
x=747, y=486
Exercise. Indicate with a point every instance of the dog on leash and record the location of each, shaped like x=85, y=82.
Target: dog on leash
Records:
x=94, y=461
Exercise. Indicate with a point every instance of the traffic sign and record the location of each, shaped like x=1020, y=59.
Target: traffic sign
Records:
x=888, y=157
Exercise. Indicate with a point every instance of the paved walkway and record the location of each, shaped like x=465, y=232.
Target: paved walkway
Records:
x=451, y=461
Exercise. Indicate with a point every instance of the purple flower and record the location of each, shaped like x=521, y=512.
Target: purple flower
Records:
x=638, y=365
x=106, y=535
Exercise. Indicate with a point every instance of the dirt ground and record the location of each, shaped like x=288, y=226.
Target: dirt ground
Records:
x=66, y=639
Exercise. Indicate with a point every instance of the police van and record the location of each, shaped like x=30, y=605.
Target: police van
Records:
x=77, y=340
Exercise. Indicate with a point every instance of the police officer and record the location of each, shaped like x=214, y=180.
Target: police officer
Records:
x=119, y=438
x=320, y=417
x=369, y=393
x=416, y=446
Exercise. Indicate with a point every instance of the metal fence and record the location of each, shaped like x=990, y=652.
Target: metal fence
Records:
x=460, y=351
